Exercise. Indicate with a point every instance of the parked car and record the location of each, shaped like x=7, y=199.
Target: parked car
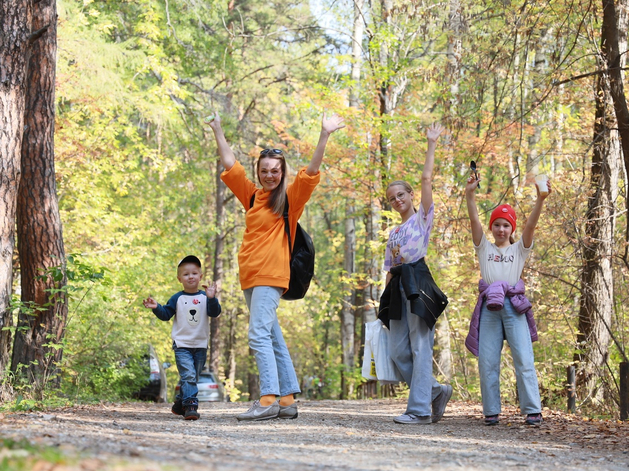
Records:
x=156, y=388
x=210, y=388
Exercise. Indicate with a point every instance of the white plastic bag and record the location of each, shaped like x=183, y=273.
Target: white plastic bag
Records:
x=377, y=336
x=369, y=363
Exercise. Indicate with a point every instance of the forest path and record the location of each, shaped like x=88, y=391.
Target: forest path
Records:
x=340, y=435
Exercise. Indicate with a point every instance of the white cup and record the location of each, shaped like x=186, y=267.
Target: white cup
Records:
x=542, y=184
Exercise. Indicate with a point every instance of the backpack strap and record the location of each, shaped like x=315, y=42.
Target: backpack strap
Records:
x=287, y=226
x=286, y=223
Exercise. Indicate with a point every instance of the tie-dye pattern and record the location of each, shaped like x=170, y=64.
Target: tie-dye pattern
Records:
x=408, y=242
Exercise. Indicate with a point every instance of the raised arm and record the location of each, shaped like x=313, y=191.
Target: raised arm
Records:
x=531, y=222
x=432, y=133
x=472, y=210
x=228, y=159
x=328, y=126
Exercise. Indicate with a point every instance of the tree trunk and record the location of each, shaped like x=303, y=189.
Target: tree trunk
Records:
x=217, y=274
x=597, y=282
x=41, y=325
x=614, y=37
x=14, y=33
x=348, y=320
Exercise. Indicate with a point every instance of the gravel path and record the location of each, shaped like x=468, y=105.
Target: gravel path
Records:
x=340, y=435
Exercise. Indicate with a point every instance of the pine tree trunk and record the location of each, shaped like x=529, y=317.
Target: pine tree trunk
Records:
x=14, y=33
x=40, y=237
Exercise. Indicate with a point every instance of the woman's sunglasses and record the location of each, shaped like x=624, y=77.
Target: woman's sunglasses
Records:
x=271, y=151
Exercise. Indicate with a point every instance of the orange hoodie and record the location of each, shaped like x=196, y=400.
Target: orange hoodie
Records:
x=264, y=258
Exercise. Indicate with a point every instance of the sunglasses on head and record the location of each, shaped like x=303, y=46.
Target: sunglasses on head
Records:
x=271, y=151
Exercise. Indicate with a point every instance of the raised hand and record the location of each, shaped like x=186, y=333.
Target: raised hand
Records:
x=214, y=120
x=434, y=131
x=543, y=196
x=332, y=123
x=472, y=183
x=149, y=303
x=211, y=289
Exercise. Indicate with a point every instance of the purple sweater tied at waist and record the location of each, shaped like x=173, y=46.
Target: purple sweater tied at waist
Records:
x=494, y=295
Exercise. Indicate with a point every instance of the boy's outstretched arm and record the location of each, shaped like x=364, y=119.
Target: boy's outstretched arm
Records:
x=228, y=159
x=531, y=222
x=328, y=126
x=432, y=133
x=163, y=313
x=472, y=210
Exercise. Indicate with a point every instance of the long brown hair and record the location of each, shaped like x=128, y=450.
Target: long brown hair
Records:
x=277, y=199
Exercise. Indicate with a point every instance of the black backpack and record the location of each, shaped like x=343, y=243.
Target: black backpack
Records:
x=302, y=258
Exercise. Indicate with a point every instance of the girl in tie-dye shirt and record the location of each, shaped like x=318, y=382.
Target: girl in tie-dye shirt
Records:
x=411, y=340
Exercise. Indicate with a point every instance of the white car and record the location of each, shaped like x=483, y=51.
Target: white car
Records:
x=210, y=389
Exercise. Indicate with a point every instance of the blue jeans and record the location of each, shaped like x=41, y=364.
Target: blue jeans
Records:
x=410, y=346
x=190, y=362
x=275, y=367
x=495, y=327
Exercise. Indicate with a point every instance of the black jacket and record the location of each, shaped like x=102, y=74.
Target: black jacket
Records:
x=427, y=300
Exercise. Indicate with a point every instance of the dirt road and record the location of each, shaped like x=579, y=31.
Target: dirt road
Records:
x=340, y=435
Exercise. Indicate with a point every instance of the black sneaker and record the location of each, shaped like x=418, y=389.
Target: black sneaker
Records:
x=191, y=412
x=492, y=419
x=534, y=419
x=177, y=408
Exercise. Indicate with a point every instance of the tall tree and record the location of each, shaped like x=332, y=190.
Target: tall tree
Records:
x=41, y=324
x=15, y=28
x=217, y=264
x=597, y=278
x=348, y=318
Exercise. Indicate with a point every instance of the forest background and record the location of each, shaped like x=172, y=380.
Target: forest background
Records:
x=523, y=88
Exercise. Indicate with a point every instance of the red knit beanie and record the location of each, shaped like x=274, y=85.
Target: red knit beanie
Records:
x=503, y=211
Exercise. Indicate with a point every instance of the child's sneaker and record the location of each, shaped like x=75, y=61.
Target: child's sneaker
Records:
x=191, y=412
x=492, y=419
x=534, y=419
x=177, y=408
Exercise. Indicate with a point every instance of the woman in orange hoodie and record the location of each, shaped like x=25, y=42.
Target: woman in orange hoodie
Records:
x=264, y=259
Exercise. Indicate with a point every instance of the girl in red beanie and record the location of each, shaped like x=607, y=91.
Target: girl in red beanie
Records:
x=502, y=311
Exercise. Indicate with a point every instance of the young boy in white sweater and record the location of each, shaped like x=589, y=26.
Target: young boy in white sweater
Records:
x=191, y=330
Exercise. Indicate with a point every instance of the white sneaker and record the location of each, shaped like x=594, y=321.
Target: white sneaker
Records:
x=413, y=419
x=257, y=412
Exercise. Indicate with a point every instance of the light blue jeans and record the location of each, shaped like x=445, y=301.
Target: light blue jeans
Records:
x=190, y=362
x=410, y=346
x=495, y=327
x=275, y=367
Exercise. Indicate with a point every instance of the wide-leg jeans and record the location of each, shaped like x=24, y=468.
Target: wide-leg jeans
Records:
x=495, y=327
x=411, y=345
x=275, y=367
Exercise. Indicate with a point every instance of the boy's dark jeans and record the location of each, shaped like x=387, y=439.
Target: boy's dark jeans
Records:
x=190, y=362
